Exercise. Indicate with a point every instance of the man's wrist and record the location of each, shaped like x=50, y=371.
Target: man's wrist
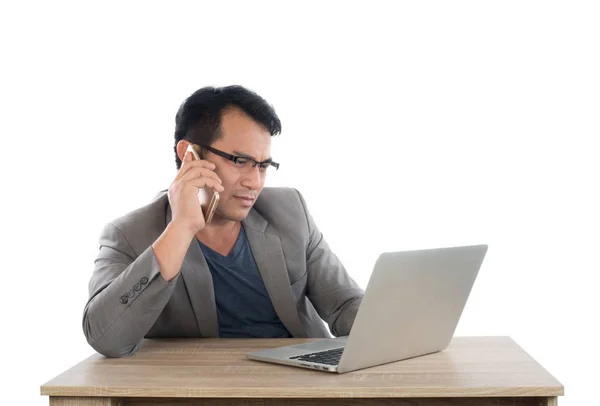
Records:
x=181, y=229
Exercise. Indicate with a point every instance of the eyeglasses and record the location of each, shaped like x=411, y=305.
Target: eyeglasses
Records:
x=242, y=163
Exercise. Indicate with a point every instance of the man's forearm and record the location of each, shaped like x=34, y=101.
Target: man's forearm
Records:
x=170, y=249
x=125, y=298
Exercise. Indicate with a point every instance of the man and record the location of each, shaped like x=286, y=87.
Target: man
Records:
x=260, y=268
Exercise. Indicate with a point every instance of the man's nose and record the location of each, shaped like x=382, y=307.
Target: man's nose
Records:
x=253, y=177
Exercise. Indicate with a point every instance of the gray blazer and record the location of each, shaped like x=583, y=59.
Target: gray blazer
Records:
x=130, y=300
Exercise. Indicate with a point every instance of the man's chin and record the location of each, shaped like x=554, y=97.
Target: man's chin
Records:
x=235, y=215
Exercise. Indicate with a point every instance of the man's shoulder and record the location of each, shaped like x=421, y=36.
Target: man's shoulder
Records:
x=282, y=207
x=147, y=214
x=144, y=223
x=277, y=194
x=280, y=199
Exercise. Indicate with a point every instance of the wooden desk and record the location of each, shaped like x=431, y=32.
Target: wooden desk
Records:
x=472, y=371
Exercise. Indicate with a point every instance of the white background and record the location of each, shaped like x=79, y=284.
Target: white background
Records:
x=460, y=122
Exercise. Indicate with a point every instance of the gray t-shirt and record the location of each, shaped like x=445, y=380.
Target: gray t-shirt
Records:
x=244, y=309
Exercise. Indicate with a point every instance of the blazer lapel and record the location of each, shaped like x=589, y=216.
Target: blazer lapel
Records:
x=268, y=254
x=199, y=285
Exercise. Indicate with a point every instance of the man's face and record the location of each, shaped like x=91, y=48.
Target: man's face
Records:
x=241, y=136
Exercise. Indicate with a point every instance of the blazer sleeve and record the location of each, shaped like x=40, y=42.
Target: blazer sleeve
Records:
x=333, y=293
x=127, y=293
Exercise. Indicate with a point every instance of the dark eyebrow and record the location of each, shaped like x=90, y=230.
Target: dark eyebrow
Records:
x=242, y=155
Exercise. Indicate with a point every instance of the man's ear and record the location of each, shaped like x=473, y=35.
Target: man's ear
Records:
x=181, y=148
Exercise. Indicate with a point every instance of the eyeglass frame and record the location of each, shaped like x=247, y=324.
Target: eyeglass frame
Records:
x=234, y=158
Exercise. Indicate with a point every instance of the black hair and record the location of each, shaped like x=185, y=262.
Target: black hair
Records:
x=198, y=119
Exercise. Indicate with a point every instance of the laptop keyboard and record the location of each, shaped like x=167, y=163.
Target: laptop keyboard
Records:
x=329, y=357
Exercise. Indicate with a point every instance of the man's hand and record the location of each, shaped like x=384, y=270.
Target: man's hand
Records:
x=183, y=192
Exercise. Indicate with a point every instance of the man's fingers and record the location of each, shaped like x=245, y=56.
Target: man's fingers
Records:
x=204, y=181
x=200, y=172
x=191, y=164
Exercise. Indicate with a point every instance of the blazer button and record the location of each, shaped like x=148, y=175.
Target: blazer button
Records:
x=137, y=286
x=144, y=280
x=124, y=299
x=130, y=293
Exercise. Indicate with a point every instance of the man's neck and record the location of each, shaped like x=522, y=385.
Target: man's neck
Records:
x=220, y=234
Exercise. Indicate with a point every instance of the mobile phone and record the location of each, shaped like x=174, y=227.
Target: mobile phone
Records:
x=202, y=193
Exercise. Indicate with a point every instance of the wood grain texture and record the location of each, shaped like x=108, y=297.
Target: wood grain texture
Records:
x=217, y=368
x=339, y=402
x=82, y=401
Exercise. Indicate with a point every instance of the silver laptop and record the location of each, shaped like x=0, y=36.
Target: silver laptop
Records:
x=411, y=307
